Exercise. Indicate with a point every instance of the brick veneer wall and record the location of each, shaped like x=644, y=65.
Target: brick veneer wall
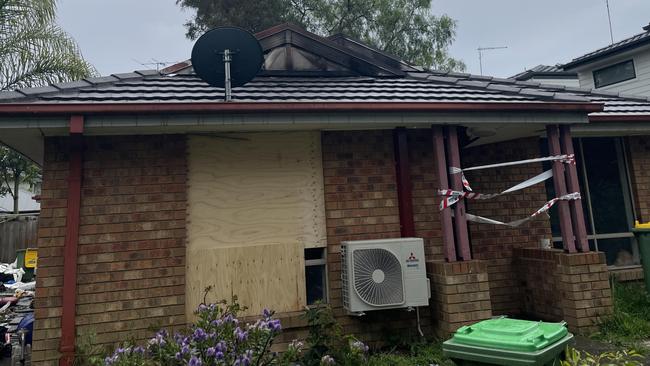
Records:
x=51, y=236
x=361, y=204
x=460, y=294
x=561, y=286
x=426, y=211
x=492, y=243
x=639, y=165
x=538, y=278
x=131, y=255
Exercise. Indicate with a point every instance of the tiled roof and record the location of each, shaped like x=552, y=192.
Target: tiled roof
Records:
x=634, y=41
x=543, y=70
x=189, y=88
x=616, y=104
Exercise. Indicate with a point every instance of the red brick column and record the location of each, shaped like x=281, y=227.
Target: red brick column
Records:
x=460, y=294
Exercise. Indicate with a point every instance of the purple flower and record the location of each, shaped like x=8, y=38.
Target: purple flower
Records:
x=185, y=349
x=221, y=346
x=240, y=334
x=202, y=307
x=200, y=335
x=274, y=325
x=178, y=356
x=266, y=313
x=138, y=350
x=195, y=361
x=210, y=351
x=218, y=355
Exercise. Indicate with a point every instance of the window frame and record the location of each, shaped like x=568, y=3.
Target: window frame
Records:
x=624, y=176
x=317, y=263
x=618, y=64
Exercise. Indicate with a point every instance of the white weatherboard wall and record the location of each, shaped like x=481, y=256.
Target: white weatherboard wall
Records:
x=255, y=203
x=640, y=85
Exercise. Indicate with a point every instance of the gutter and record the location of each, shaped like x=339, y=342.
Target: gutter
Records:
x=620, y=118
x=21, y=109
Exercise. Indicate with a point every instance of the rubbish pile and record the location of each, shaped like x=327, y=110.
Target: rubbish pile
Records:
x=17, y=286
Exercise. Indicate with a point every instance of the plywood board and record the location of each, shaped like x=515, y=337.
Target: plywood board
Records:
x=262, y=276
x=253, y=196
x=261, y=189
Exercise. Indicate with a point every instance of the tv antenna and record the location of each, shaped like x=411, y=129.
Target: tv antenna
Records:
x=154, y=62
x=480, y=54
x=609, y=18
x=227, y=57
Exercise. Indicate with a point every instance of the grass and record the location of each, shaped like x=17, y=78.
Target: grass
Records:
x=630, y=321
x=417, y=354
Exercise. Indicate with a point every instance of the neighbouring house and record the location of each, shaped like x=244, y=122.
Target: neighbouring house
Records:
x=622, y=67
x=546, y=74
x=155, y=188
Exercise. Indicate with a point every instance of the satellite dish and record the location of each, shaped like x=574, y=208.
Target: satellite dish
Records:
x=226, y=57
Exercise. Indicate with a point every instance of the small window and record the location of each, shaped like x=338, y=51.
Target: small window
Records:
x=614, y=74
x=316, y=275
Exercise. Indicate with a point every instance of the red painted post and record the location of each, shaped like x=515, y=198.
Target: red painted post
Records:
x=67, y=346
x=404, y=188
x=460, y=221
x=560, y=189
x=449, y=248
x=573, y=185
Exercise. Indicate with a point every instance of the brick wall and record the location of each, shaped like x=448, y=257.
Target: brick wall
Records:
x=361, y=204
x=51, y=236
x=426, y=211
x=561, y=286
x=639, y=160
x=538, y=279
x=131, y=255
x=460, y=294
x=495, y=243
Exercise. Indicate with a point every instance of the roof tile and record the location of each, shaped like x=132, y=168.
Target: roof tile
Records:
x=10, y=94
x=101, y=79
x=72, y=84
x=147, y=72
x=39, y=90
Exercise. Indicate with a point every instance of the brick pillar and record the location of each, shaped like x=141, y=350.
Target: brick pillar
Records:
x=460, y=294
x=573, y=287
x=586, y=293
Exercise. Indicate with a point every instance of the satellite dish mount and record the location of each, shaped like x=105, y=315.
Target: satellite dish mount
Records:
x=240, y=59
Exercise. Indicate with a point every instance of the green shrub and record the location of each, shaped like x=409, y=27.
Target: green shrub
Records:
x=622, y=358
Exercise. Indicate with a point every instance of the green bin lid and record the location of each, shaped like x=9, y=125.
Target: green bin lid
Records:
x=511, y=334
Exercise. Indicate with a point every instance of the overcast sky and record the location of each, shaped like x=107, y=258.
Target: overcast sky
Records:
x=118, y=35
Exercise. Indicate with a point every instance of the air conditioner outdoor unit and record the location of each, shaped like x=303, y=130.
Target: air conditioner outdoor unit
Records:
x=383, y=274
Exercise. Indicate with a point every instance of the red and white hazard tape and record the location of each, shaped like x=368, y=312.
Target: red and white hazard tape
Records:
x=568, y=159
x=543, y=209
x=452, y=197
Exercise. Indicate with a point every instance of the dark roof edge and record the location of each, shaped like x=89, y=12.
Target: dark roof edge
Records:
x=303, y=107
x=553, y=74
x=600, y=55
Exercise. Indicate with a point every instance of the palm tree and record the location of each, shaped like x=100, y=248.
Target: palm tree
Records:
x=34, y=51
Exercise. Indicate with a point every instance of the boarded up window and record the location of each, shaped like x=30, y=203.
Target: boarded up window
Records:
x=255, y=203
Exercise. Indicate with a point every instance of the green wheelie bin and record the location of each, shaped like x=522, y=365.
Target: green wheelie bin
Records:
x=508, y=342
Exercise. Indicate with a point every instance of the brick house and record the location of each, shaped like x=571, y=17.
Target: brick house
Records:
x=154, y=188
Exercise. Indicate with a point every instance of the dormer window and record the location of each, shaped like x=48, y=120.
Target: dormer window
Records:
x=613, y=74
